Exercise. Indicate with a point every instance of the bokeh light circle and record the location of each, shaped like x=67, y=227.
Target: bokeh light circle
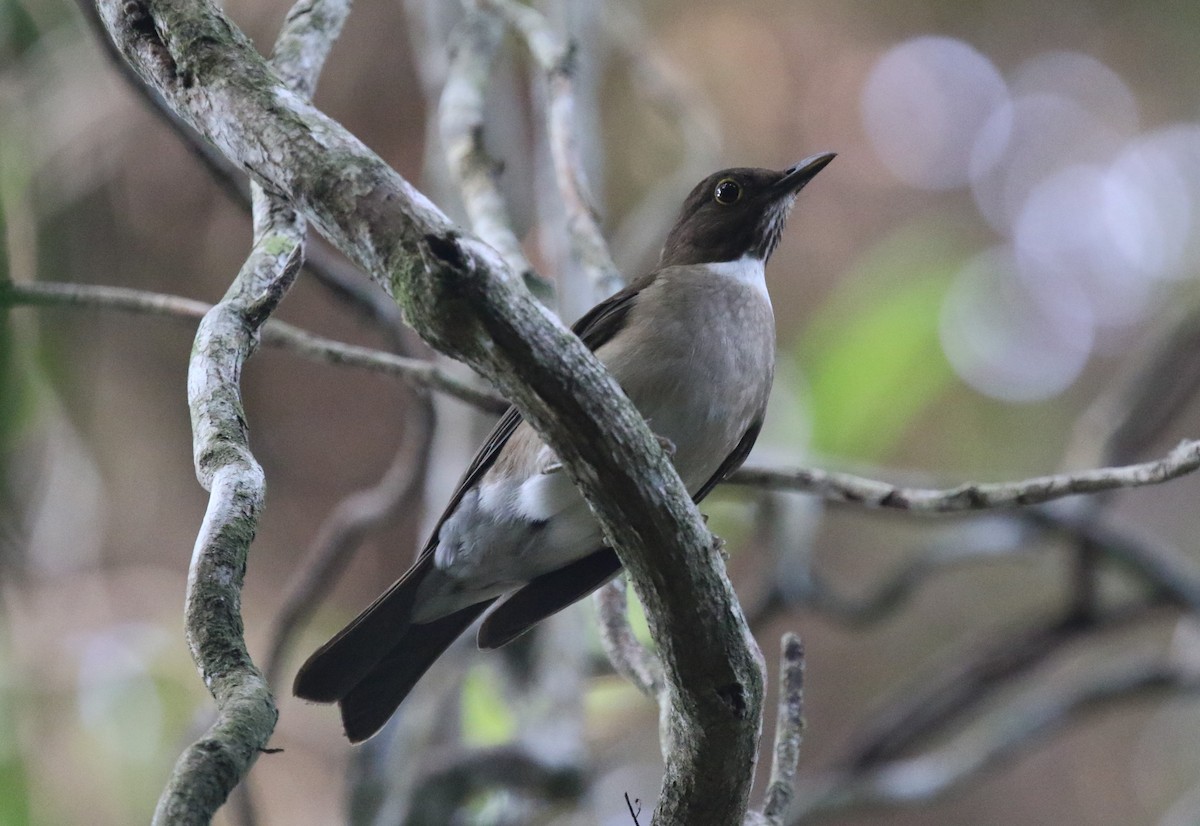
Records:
x=923, y=105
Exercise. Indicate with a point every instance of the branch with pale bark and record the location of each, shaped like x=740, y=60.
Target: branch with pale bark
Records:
x=210, y=768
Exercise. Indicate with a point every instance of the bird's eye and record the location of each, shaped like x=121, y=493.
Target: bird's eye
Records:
x=728, y=192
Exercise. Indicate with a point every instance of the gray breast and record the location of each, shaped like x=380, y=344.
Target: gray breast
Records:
x=697, y=358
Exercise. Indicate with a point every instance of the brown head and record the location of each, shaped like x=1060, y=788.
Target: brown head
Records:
x=737, y=212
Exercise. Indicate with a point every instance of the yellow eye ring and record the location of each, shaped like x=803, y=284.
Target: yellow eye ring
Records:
x=727, y=192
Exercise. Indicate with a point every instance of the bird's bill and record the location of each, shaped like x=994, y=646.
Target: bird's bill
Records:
x=800, y=174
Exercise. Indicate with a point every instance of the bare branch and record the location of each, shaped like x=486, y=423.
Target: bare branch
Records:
x=893, y=591
x=668, y=90
x=446, y=787
x=632, y=660
x=846, y=487
x=1166, y=568
x=210, y=768
x=789, y=730
x=463, y=300
x=556, y=59
x=1127, y=419
x=461, y=115
x=417, y=372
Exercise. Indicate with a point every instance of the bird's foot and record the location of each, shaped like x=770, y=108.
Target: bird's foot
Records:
x=667, y=445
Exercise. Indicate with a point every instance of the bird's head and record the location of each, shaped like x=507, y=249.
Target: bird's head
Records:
x=737, y=212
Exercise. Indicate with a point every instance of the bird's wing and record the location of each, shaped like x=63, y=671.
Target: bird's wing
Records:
x=370, y=641
x=550, y=593
x=595, y=329
x=734, y=460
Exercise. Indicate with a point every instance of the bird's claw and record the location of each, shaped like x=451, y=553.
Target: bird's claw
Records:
x=667, y=445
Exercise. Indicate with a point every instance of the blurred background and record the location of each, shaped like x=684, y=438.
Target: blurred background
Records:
x=995, y=279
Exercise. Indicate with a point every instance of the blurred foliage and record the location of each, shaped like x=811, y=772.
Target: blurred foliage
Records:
x=486, y=719
x=15, y=806
x=872, y=352
x=18, y=31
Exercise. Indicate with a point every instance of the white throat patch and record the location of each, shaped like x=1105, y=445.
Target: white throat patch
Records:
x=747, y=270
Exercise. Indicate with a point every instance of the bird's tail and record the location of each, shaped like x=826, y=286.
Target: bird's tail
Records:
x=374, y=662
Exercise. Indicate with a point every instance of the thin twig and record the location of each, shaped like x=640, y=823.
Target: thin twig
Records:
x=789, y=731
x=632, y=660
x=417, y=372
x=848, y=488
x=831, y=485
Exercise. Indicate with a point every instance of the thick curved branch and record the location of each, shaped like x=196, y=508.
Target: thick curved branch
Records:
x=461, y=298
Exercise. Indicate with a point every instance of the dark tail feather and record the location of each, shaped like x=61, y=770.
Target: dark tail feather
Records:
x=342, y=663
x=369, y=703
x=545, y=595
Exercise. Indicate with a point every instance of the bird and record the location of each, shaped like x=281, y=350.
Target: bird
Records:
x=692, y=344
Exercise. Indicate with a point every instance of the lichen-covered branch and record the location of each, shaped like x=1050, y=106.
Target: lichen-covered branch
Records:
x=846, y=487
x=417, y=372
x=459, y=295
x=210, y=768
